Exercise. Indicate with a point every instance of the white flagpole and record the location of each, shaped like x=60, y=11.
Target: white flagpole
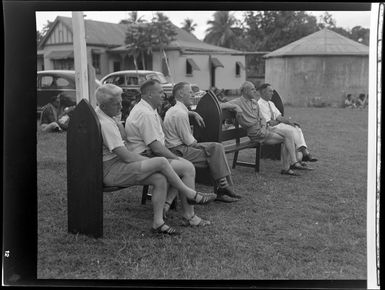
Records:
x=80, y=56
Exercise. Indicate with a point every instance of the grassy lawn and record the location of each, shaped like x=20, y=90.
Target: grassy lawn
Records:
x=308, y=227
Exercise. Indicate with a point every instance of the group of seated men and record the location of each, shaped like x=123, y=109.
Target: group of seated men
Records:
x=149, y=151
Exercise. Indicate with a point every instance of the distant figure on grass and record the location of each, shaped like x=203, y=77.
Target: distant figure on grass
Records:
x=349, y=102
x=361, y=101
x=51, y=120
x=279, y=124
x=145, y=137
x=258, y=130
x=181, y=142
x=122, y=167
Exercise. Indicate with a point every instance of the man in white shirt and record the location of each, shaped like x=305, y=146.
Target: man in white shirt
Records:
x=122, y=167
x=278, y=123
x=181, y=142
x=145, y=136
x=250, y=118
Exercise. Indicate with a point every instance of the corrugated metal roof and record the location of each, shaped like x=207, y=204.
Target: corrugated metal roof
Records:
x=113, y=35
x=323, y=42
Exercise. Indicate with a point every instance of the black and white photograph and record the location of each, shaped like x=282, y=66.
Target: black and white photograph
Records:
x=214, y=145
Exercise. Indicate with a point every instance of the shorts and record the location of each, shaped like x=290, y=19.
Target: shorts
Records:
x=119, y=173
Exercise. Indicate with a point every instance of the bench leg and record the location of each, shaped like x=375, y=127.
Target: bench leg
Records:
x=174, y=202
x=235, y=159
x=144, y=194
x=257, y=157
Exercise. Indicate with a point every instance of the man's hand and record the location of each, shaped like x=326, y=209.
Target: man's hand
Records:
x=198, y=119
x=296, y=125
x=273, y=122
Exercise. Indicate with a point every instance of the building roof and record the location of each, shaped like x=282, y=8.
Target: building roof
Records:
x=113, y=35
x=323, y=42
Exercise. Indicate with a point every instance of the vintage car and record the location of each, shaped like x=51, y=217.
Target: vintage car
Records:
x=52, y=82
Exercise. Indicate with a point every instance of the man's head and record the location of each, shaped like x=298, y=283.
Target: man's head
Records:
x=248, y=90
x=55, y=100
x=183, y=93
x=266, y=91
x=152, y=92
x=109, y=98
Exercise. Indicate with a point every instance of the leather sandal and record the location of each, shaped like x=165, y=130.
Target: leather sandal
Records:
x=205, y=198
x=300, y=166
x=289, y=172
x=198, y=223
x=168, y=231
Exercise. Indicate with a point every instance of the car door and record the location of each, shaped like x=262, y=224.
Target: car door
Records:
x=45, y=89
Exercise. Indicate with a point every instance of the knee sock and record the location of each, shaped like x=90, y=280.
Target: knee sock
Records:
x=222, y=182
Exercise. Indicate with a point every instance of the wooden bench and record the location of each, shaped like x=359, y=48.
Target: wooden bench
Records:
x=85, y=173
x=235, y=139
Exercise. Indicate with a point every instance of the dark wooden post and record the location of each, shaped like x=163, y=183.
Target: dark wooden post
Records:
x=84, y=172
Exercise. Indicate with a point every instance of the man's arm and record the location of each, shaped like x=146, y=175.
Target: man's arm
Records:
x=198, y=118
x=282, y=119
x=160, y=150
x=127, y=156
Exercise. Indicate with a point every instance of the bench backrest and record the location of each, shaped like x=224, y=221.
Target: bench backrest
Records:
x=214, y=117
x=85, y=172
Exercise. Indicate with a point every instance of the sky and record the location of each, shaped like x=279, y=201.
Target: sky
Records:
x=345, y=19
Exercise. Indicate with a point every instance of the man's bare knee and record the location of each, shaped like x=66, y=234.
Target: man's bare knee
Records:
x=159, y=180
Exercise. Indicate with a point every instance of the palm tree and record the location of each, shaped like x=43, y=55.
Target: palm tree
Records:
x=189, y=25
x=132, y=18
x=221, y=32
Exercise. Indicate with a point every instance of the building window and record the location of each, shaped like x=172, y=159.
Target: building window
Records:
x=189, y=69
x=116, y=66
x=65, y=64
x=96, y=62
x=237, y=70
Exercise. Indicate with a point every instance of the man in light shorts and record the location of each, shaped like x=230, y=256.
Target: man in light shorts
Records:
x=121, y=167
x=145, y=137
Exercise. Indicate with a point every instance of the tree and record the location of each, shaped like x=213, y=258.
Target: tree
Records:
x=326, y=21
x=360, y=34
x=222, y=30
x=40, y=34
x=142, y=38
x=133, y=18
x=270, y=30
x=138, y=42
x=189, y=25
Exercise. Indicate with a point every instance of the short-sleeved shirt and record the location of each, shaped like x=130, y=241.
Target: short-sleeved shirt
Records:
x=250, y=112
x=177, y=126
x=265, y=110
x=143, y=126
x=111, y=135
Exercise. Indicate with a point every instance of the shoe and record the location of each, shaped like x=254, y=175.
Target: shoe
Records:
x=205, y=198
x=228, y=191
x=196, y=221
x=165, y=230
x=309, y=158
x=299, y=166
x=289, y=172
x=225, y=198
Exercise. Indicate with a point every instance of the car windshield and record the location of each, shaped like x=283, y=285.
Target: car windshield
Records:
x=157, y=76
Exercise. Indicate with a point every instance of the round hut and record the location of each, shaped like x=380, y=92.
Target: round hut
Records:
x=320, y=69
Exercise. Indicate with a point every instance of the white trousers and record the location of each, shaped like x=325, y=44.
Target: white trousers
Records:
x=299, y=139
